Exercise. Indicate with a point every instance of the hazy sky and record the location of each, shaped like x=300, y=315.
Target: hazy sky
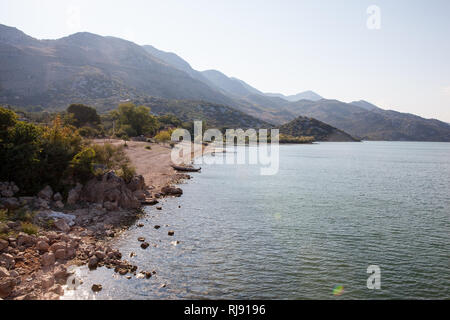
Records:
x=279, y=46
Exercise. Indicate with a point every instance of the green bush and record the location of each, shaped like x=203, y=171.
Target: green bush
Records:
x=59, y=146
x=126, y=172
x=164, y=136
x=34, y=156
x=82, y=164
x=3, y=215
x=88, y=132
x=29, y=228
x=7, y=119
x=20, y=152
x=110, y=156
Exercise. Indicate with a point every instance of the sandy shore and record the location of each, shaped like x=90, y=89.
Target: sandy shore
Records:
x=155, y=164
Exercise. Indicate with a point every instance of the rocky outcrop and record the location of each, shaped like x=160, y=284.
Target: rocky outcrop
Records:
x=8, y=189
x=137, y=183
x=10, y=203
x=33, y=266
x=74, y=194
x=110, y=192
x=113, y=192
x=171, y=191
x=46, y=193
x=7, y=192
x=62, y=225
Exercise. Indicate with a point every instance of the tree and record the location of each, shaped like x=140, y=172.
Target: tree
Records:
x=170, y=119
x=19, y=155
x=59, y=145
x=7, y=119
x=80, y=115
x=135, y=120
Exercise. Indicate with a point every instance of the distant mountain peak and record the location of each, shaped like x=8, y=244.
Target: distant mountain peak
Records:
x=12, y=35
x=365, y=105
x=230, y=85
x=305, y=95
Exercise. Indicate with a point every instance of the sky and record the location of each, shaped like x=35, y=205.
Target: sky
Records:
x=395, y=54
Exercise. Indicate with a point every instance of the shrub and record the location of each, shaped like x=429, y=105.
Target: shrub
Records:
x=29, y=228
x=88, y=132
x=3, y=215
x=148, y=147
x=110, y=156
x=20, y=214
x=50, y=223
x=82, y=164
x=20, y=155
x=122, y=135
x=163, y=136
x=126, y=172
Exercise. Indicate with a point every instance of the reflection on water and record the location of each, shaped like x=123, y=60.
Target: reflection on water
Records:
x=308, y=232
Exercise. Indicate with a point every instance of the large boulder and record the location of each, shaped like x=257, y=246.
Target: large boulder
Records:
x=4, y=272
x=8, y=189
x=137, y=183
x=42, y=246
x=58, y=245
x=59, y=204
x=60, y=254
x=74, y=194
x=46, y=193
x=26, y=240
x=172, y=191
x=62, y=225
x=60, y=273
x=3, y=244
x=7, y=261
x=47, y=281
x=7, y=285
x=41, y=203
x=10, y=203
x=57, y=197
x=93, y=263
x=48, y=259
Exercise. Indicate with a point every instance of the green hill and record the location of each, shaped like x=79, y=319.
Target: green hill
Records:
x=303, y=126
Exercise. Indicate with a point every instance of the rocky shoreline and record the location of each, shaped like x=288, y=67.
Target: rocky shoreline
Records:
x=77, y=232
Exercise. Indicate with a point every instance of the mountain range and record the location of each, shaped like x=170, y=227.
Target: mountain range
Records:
x=104, y=71
x=306, y=95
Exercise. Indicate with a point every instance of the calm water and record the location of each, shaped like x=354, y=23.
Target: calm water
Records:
x=331, y=211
